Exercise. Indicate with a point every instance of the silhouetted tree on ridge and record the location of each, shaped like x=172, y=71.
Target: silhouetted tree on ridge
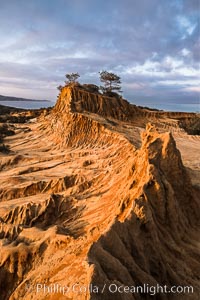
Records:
x=112, y=83
x=71, y=78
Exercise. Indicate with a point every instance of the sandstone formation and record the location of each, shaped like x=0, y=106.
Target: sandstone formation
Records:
x=96, y=194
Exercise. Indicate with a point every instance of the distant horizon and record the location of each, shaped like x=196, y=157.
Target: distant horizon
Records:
x=166, y=106
x=14, y=98
x=134, y=98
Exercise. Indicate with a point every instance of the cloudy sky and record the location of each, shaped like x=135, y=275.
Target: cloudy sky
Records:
x=152, y=44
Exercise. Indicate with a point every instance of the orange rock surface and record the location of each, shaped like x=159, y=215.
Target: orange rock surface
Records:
x=96, y=194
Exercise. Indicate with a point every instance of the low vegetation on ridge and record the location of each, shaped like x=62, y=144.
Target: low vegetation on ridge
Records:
x=111, y=84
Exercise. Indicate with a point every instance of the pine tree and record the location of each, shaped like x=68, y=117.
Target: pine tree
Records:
x=71, y=78
x=112, y=83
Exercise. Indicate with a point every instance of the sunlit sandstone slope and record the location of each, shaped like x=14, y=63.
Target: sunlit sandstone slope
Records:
x=91, y=197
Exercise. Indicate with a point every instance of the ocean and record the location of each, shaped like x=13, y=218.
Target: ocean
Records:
x=28, y=104
x=186, y=107
x=166, y=106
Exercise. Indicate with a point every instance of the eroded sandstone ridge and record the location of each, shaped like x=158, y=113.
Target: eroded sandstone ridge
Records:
x=90, y=199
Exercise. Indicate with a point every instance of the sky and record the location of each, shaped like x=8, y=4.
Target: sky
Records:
x=153, y=45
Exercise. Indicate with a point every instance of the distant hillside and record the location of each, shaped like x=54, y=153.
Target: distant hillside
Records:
x=9, y=98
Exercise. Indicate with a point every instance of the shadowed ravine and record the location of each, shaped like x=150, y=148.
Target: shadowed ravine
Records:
x=100, y=192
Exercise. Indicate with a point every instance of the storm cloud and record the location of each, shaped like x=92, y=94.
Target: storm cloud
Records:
x=153, y=45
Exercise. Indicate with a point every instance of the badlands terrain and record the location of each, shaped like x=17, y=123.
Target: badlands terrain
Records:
x=97, y=192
